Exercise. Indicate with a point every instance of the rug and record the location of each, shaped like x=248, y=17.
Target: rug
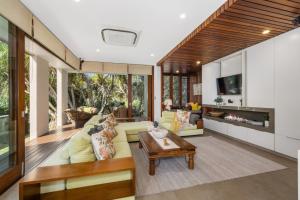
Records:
x=215, y=160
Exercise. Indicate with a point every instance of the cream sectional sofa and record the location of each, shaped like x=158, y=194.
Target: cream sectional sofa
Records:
x=127, y=132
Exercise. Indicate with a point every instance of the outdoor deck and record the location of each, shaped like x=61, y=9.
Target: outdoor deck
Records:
x=37, y=150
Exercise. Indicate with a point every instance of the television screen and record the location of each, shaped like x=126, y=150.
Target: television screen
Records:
x=230, y=85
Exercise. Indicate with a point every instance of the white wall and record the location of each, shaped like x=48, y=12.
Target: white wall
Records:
x=39, y=96
x=62, y=97
x=227, y=66
x=157, y=93
x=210, y=73
x=231, y=65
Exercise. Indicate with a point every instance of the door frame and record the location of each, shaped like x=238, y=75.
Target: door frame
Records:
x=16, y=172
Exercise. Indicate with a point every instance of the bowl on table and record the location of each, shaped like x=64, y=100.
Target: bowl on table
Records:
x=216, y=114
x=159, y=133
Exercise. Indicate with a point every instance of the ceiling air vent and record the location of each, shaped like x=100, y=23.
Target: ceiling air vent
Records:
x=119, y=37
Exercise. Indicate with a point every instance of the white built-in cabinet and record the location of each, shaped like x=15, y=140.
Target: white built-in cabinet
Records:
x=287, y=93
x=210, y=73
x=272, y=81
x=260, y=75
x=259, y=138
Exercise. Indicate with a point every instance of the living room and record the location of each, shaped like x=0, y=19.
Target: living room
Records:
x=189, y=101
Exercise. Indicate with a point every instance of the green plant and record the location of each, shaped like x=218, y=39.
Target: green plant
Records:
x=219, y=100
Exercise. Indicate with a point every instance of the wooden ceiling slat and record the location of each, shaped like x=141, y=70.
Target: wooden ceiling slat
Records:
x=236, y=25
x=270, y=7
x=260, y=20
x=256, y=10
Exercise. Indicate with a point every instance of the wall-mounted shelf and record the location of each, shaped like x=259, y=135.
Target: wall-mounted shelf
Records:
x=249, y=113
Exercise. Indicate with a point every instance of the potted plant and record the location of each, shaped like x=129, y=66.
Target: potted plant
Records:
x=219, y=100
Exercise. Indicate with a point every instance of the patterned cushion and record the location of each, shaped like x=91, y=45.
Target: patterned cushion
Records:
x=103, y=146
x=183, y=116
x=111, y=118
x=109, y=126
x=181, y=120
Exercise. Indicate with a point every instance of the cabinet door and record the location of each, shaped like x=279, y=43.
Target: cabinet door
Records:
x=287, y=95
x=210, y=73
x=287, y=74
x=262, y=139
x=219, y=126
x=260, y=75
x=238, y=132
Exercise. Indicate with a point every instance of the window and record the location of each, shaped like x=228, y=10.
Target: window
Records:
x=176, y=96
x=176, y=88
x=167, y=84
x=107, y=92
x=184, y=82
x=139, y=96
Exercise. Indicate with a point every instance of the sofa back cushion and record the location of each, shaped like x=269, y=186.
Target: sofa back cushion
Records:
x=86, y=155
x=168, y=117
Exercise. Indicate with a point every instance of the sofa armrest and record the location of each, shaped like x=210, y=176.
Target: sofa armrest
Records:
x=29, y=185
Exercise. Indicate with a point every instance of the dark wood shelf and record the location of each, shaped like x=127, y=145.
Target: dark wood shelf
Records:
x=250, y=113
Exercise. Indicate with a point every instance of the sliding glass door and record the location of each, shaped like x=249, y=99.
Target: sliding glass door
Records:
x=11, y=149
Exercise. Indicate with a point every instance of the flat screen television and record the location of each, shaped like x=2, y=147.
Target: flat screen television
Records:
x=230, y=85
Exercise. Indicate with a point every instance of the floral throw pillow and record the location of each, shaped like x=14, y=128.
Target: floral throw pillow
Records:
x=183, y=117
x=111, y=118
x=103, y=146
x=108, y=125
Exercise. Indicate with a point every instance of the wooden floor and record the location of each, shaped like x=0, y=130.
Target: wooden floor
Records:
x=277, y=185
x=37, y=150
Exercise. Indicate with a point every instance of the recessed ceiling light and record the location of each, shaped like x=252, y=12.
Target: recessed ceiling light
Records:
x=198, y=62
x=77, y=1
x=182, y=16
x=265, y=32
x=98, y=50
x=177, y=71
x=152, y=55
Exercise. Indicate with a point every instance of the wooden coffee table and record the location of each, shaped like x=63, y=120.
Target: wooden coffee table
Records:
x=154, y=151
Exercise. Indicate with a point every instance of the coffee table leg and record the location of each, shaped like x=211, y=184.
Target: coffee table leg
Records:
x=152, y=167
x=140, y=145
x=191, y=161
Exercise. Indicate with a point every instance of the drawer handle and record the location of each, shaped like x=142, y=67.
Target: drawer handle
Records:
x=293, y=138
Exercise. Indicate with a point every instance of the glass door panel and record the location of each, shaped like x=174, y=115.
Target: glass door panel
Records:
x=176, y=96
x=140, y=96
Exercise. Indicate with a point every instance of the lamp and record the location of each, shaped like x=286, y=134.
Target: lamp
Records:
x=168, y=103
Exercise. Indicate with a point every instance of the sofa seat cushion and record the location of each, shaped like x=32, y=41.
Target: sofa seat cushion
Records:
x=189, y=127
x=122, y=150
x=98, y=179
x=190, y=132
x=54, y=159
x=127, y=198
x=128, y=130
x=121, y=136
